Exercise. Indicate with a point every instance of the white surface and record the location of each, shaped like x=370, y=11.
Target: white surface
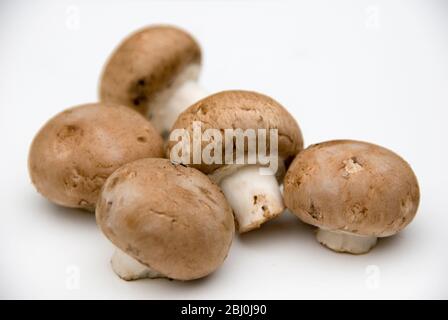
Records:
x=369, y=70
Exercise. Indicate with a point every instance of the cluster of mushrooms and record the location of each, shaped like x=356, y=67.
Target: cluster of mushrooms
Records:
x=177, y=221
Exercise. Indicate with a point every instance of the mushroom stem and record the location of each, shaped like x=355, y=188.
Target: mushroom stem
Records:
x=341, y=241
x=255, y=198
x=184, y=92
x=127, y=268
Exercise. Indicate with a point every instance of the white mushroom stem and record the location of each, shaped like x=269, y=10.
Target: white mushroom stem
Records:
x=346, y=242
x=254, y=197
x=184, y=92
x=127, y=268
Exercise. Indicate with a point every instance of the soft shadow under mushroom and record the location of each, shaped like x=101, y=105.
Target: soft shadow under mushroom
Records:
x=286, y=225
x=66, y=215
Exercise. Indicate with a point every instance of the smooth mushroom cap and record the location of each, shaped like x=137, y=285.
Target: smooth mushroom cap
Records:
x=145, y=64
x=238, y=109
x=75, y=151
x=170, y=218
x=352, y=186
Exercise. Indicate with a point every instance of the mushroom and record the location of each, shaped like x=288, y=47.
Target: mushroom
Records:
x=166, y=220
x=154, y=71
x=74, y=152
x=353, y=191
x=253, y=194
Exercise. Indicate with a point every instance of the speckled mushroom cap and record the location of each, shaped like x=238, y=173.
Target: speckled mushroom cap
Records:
x=146, y=63
x=244, y=110
x=352, y=186
x=74, y=152
x=170, y=218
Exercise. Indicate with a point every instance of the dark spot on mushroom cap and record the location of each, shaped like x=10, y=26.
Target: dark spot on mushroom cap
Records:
x=141, y=139
x=203, y=109
x=69, y=130
x=357, y=213
x=140, y=99
x=314, y=212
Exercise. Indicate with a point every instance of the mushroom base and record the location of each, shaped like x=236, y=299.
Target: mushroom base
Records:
x=346, y=242
x=255, y=198
x=171, y=102
x=127, y=268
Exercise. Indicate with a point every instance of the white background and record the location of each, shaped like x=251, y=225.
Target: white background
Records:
x=368, y=70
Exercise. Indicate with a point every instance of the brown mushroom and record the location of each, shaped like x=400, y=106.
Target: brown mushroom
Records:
x=253, y=194
x=353, y=191
x=166, y=220
x=154, y=71
x=74, y=152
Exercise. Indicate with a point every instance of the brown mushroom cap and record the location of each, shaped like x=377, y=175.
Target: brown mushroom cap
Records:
x=170, y=218
x=146, y=63
x=352, y=186
x=74, y=152
x=243, y=110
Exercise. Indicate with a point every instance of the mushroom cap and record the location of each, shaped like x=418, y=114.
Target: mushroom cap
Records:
x=237, y=109
x=75, y=151
x=170, y=218
x=146, y=63
x=352, y=186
